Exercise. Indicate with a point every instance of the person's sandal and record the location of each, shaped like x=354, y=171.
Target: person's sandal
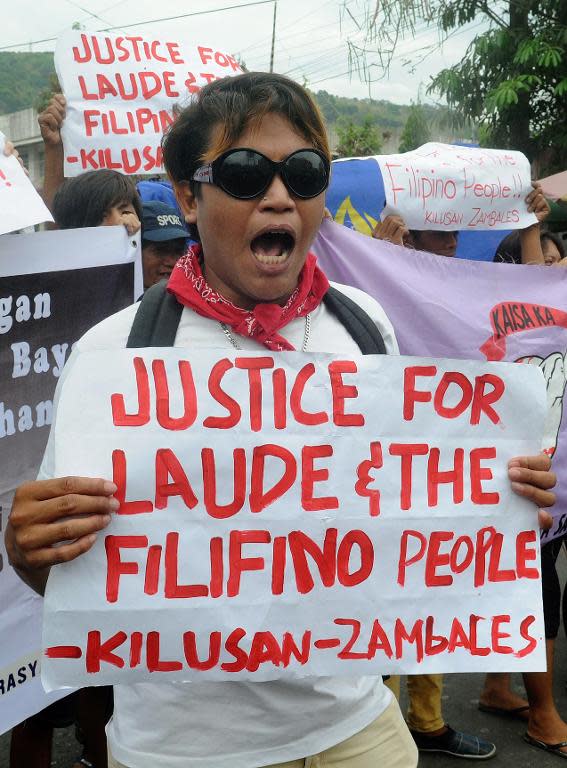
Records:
x=555, y=749
x=455, y=743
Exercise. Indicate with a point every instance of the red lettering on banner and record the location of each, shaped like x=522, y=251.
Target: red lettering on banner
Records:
x=173, y=589
x=471, y=396
x=217, y=567
x=124, y=48
x=191, y=656
x=162, y=396
x=497, y=635
x=115, y=566
x=119, y=479
x=342, y=392
x=232, y=646
x=532, y=641
x=363, y=474
x=483, y=553
x=259, y=497
x=454, y=476
x=435, y=559
x=478, y=474
x=411, y=394
x=301, y=416
x=153, y=660
x=151, y=581
x=142, y=120
x=222, y=511
x=279, y=386
x=407, y=451
x=365, y=548
x=238, y=563
x=234, y=413
x=168, y=465
x=142, y=416
x=325, y=559
x=346, y=652
x=310, y=476
x=97, y=651
x=207, y=54
x=523, y=554
x=254, y=366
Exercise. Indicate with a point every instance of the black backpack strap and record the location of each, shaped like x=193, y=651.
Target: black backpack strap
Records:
x=356, y=321
x=157, y=319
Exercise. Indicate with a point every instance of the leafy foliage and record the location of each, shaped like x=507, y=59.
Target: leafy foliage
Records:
x=22, y=77
x=512, y=78
x=358, y=140
x=416, y=130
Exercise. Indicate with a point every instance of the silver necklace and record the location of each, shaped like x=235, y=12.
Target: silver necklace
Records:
x=306, y=335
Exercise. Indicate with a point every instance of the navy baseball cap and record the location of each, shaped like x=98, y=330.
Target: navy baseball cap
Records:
x=161, y=222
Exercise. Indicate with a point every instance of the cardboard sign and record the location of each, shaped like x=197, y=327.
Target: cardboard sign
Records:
x=20, y=204
x=442, y=186
x=449, y=308
x=121, y=91
x=53, y=287
x=291, y=515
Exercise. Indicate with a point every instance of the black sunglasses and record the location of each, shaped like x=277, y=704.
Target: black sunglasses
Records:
x=245, y=173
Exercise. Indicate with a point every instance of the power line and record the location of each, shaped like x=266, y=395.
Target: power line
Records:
x=143, y=23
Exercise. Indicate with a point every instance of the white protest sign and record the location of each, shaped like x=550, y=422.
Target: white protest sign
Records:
x=121, y=91
x=290, y=515
x=53, y=287
x=443, y=186
x=20, y=204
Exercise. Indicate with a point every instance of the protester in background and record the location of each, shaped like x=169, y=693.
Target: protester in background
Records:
x=553, y=248
x=510, y=250
x=164, y=240
x=158, y=189
x=546, y=729
x=98, y=198
x=444, y=242
x=50, y=122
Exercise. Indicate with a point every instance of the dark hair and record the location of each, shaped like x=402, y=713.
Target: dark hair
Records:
x=509, y=250
x=233, y=104
x=84, y=200
x=556, y=240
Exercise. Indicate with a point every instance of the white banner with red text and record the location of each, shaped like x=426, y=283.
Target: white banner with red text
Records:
x=445, y=186
x=121, y=93
x=291, y=515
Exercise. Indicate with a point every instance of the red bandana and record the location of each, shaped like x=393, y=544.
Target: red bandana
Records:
x=263, y=322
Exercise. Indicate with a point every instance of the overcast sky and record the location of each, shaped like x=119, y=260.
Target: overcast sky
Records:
x=311, y=37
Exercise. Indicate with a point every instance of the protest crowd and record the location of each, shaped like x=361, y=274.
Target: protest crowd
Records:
x=231, y=237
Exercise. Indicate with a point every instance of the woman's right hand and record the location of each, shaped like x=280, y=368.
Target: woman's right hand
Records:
x=54, y=521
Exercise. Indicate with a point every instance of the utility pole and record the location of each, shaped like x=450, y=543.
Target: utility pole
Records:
x=273, y=37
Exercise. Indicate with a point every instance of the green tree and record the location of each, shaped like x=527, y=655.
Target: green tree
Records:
x=416, y=130
x=512, y=79
x=358, y=140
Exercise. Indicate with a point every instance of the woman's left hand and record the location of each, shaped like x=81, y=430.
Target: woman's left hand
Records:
x=532, y=478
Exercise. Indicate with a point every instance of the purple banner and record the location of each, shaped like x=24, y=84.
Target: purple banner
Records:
x=443, y=307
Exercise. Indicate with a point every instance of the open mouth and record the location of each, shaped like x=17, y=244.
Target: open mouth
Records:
x=272, y=247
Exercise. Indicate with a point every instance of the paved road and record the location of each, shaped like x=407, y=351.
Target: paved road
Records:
x=460, y=708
